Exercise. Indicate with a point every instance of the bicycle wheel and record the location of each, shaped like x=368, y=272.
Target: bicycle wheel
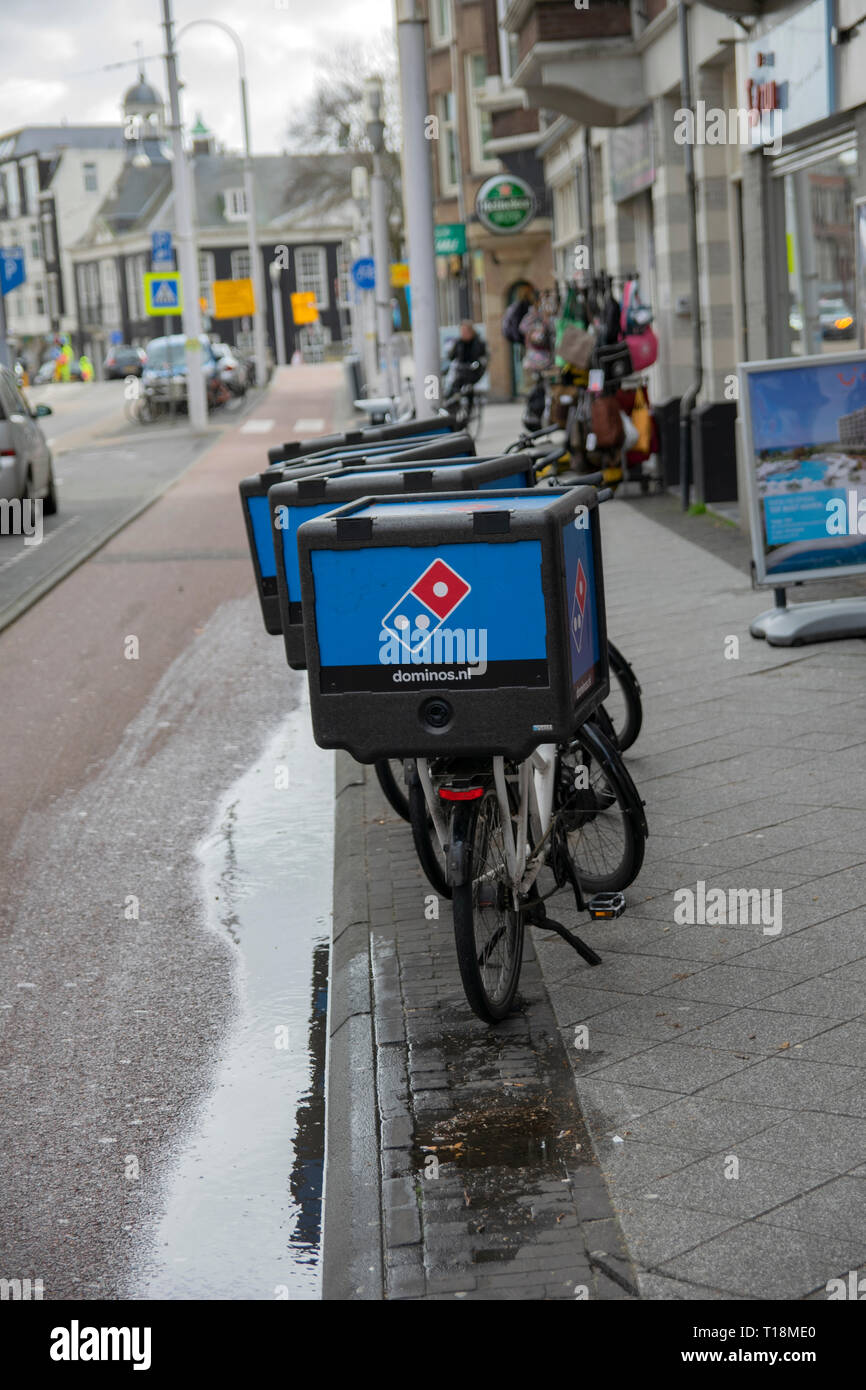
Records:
x=488, y=932
x=389, y=772
x=601, y=813
x=474, y=415
x=426, y=840
x=623, y=704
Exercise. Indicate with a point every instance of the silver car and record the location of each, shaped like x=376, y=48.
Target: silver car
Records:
x=26, y=468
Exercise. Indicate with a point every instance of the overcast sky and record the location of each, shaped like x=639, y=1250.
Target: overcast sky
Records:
x=52, y=53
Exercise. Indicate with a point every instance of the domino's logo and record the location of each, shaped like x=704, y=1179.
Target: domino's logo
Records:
x=578, y=607
x=425, y=606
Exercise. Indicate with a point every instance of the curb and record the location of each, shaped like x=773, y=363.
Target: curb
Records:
x=352, y=1220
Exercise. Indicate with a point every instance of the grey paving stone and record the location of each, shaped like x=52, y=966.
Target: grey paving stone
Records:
x=833, y=1143
x=636, y=1166
x=760, y=1261
x=838, y=1209
x=702, y=1125
x=731, y=984
x=655, y=1018
x=756, y=1031
x=667, y=1067
x=760, y=1187
x=836, y=995
x=658, y=1231
x=785, y=1081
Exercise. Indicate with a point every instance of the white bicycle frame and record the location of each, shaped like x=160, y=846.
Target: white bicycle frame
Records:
x=536, y=779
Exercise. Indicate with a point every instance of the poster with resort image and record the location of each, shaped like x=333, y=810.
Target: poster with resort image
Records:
x=806, y=433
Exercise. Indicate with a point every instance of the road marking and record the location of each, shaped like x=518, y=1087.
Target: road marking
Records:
x=33, y=549
x=308, y=427
x=257, y=427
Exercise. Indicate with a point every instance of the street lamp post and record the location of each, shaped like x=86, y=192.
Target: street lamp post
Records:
x=275, y=270
x=259, y=348
x=187, y=258
x=374, y=101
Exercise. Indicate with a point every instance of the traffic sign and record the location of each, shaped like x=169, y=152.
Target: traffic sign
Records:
x=304, y=307
x=399, y=275
x=233, y=299
x=162, y=292
x=12, y=272
x=364, y=273
x=449, y=239
x=162, y=251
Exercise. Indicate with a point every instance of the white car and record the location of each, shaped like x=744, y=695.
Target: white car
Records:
x=26, y=468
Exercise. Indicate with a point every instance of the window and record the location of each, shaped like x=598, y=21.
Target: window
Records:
x=35, y=242
x=480, y=126
x=235, y=204
x=206, y=278
x=241, y=269
x=449, y=166
x=312, y=339
x=40, y=299
x=344, y=261
x=48, y=237
x=440, y=21
x=91, y=183
x=819, y=188
x=110, y=297
x=31, y=186
x=311, y=273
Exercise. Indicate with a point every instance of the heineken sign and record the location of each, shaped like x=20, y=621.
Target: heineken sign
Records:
x=505, y=204
x=450, y=239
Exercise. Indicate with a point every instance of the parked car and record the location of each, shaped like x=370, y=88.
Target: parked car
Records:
x=836, y=319
x=123, y=360
x=26, y=468
x=163, y=378
x=234, y=369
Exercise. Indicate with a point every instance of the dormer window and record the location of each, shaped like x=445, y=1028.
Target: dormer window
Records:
x=235, y=204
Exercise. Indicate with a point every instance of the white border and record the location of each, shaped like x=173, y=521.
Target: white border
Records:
x=756, y=524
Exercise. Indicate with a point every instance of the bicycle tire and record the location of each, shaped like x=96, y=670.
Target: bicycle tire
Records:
x=397, y=799
x=425, y=839
x=589, y=815
x=470, y=821
x=627, y=725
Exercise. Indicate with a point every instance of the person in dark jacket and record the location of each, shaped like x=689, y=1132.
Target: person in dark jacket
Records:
x=470, y=346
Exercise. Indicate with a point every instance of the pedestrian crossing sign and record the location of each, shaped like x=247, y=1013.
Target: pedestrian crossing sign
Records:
x=162, y=292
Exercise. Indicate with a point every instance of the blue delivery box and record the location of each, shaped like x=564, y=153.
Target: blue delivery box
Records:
x=299, y=499
x=465, y=623
x=254, y=497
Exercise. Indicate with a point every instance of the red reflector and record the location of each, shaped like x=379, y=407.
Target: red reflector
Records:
x=464, y=794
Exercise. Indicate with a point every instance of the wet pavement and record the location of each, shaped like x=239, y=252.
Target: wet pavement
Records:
x=243, y=1214
x=487, y=1185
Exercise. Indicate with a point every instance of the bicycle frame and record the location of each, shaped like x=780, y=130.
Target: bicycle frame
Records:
x=536, y=778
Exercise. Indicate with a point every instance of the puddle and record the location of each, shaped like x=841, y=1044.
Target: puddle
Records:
x=243, y=1215
x=500, y=1137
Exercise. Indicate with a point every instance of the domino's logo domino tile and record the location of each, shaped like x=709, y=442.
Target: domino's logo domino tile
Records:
x=426, y=605
x=578, y=607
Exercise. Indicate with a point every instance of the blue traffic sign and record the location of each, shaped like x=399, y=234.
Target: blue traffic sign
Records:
x=364, y=273
x=12, y=273
x=162, y=294
x=162, y=251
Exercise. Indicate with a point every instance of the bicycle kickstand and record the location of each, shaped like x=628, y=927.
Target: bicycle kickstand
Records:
x=536, y=913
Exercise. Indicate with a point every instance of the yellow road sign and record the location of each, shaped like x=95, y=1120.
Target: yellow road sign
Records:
x=304, y=307
x=399, y=275
x=162, y=292
x=233, y=299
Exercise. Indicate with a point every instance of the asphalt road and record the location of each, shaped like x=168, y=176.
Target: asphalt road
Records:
x=106, y=469
x=117, y=997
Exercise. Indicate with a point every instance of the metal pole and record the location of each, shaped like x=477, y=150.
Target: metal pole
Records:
x=688, y=400
x=418, y=203
x=379, y=218
x=259, y=335
x=463, y=282
x=279, y=325
x=587, y=183
x=187, y=257
x=5, y=359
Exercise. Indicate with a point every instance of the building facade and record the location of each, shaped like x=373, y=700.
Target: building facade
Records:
x=484, y=127
x=52, y=180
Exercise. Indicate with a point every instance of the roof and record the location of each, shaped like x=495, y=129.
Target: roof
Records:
x=46, y=140
x=142, y=94
x=291, y=192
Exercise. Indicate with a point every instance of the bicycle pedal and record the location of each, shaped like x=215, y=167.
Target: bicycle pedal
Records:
x=604, y=907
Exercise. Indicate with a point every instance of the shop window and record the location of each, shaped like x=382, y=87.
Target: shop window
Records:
x=820, y=247
x=449, y=166
x=480, y=121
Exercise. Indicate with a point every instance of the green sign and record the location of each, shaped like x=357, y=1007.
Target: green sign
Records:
x=505, y=204
x=450, y=239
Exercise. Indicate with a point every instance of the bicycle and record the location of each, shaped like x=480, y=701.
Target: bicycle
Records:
x=462, y=399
